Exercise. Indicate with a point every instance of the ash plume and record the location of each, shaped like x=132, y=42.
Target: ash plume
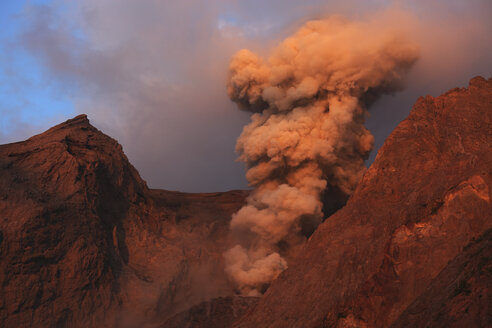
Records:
x=307, y=133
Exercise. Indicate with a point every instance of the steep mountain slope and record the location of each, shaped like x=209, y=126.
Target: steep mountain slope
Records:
x=426, y=197
x=84, y=242
x=460, y=296
x=217, y=313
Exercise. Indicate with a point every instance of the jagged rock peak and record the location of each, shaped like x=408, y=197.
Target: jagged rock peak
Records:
x=423, y=200
x=85, y=243
x=82, y=118
x=78, y=123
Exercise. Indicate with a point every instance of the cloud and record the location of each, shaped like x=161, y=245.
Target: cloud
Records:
x=152, y=73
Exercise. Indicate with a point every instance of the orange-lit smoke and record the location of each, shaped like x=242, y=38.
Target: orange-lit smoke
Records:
x=307, y=132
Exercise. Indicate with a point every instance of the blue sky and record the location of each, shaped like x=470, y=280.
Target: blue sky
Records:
x=27, y=96
x=152, y=74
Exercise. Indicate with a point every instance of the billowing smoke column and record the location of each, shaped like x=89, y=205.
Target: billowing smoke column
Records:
x=307, y=133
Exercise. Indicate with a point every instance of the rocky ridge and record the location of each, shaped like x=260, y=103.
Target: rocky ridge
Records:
x=376, y=262
x=85, y=243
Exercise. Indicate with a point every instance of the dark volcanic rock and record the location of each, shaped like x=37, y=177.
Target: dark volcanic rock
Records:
x=460, y=296
x=217, y=313
x=85, y=243
x=384, y=256
x=64, y=197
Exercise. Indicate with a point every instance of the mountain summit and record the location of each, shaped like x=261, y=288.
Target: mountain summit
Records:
x=85, y=243
x=395, y=246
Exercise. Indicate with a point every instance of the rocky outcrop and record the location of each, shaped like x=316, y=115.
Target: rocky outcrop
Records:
x=385, y=255
x=85, y=243
x=460, y=296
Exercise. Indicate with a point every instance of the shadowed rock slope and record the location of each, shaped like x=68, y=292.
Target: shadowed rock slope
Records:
x=217, y=313
x=85, y=243
x=394, y=255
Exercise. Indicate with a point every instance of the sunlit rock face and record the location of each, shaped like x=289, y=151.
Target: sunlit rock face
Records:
x=460, y=296
x=393, y=249
x=85, y=243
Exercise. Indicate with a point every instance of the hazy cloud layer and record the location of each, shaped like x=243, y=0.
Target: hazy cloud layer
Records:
x=152, y=73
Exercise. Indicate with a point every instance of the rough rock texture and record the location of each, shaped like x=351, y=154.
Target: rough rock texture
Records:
x=85, y=243
x=460, y=296
x=217, y=313
x=426, y=197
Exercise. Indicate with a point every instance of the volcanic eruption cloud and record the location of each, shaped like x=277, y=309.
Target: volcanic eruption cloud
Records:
x=306, y=139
